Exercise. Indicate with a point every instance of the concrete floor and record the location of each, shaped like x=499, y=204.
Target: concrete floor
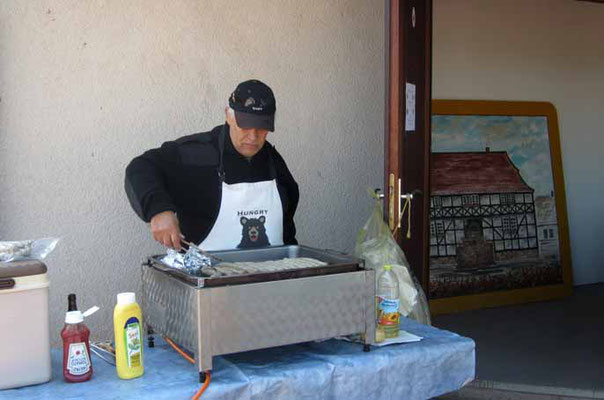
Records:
x=554, y=347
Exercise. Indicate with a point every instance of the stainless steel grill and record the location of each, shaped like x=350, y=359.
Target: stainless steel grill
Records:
x=230, y=314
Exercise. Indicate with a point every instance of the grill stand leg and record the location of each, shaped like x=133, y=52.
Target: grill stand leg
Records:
x=203, y=353
x=369, y=295
x=202, y=376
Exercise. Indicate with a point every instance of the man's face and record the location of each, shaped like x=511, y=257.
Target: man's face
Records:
x=247, y=141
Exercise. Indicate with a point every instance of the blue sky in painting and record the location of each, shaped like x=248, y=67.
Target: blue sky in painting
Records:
x=524, y=138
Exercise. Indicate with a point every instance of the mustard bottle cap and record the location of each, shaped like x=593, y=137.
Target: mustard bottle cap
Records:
x=126, y=298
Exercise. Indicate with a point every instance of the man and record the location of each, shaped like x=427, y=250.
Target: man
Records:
x=223, y=189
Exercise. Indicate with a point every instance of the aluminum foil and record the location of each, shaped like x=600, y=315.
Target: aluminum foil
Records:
x=191, y=262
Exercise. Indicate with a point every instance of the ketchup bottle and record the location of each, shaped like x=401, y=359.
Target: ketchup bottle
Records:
x=77, y=364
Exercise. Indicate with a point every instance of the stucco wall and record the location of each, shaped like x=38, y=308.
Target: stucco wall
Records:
x=87, y=85
x=538, y=50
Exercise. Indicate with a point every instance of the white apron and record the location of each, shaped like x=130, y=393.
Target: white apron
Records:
x=251, y=215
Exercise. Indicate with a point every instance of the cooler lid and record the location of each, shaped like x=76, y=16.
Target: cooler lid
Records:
x=15, y=269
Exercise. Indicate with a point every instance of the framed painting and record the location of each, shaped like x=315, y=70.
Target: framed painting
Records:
x=498, y=222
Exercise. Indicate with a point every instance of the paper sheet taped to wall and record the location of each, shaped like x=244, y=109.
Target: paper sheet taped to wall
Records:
x=409, y=107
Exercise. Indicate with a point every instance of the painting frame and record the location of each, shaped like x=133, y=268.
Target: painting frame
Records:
x=465, y=302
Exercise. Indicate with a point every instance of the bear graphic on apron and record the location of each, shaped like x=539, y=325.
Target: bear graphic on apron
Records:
x=250, y=215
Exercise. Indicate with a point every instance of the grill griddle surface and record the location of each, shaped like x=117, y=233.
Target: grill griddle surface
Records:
x=337, y=263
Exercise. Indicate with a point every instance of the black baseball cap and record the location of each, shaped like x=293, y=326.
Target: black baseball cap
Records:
x=254, y=105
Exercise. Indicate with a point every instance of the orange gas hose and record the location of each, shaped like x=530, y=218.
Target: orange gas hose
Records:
x=179, y=350
x=204, y=387
x=190, y=359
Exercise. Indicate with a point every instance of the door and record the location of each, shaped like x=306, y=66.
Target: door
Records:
x=472, y=229
x=407, y=136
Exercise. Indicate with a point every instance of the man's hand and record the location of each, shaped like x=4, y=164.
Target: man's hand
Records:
x=166, y=229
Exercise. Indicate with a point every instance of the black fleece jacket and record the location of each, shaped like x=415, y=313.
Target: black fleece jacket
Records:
x=182, y=176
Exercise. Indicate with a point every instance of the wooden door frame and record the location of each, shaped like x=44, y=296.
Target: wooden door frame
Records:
x=398, y=62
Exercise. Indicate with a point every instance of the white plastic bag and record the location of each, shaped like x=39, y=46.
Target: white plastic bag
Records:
x=376, y=245
x=23, y=249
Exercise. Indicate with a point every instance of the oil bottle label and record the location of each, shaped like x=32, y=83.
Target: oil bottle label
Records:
x=132, y=336
x=388, y=316
x=78, y=362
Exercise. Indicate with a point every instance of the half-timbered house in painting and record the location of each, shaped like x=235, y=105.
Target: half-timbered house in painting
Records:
x=481, y=210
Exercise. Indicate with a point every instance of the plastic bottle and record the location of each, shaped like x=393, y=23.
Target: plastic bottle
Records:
x=388, y=304
x=127, y=328
x=77, y=364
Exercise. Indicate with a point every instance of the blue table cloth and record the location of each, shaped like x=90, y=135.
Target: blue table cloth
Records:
x=442, y=362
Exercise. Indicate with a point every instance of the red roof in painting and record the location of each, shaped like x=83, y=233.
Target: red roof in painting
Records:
x=475, y=172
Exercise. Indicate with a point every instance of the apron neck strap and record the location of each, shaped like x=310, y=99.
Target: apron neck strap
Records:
x=271, y=164
x=221, y=140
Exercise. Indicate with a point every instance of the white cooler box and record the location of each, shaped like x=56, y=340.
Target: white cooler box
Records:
x=24, y=324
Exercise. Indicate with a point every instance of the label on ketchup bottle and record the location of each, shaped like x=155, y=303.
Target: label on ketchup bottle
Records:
x=78, y=362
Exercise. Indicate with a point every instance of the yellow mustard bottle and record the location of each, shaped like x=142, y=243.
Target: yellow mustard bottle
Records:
x=128, y=336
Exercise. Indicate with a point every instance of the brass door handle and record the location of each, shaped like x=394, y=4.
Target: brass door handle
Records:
x=391, y=199
x=407, y=197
